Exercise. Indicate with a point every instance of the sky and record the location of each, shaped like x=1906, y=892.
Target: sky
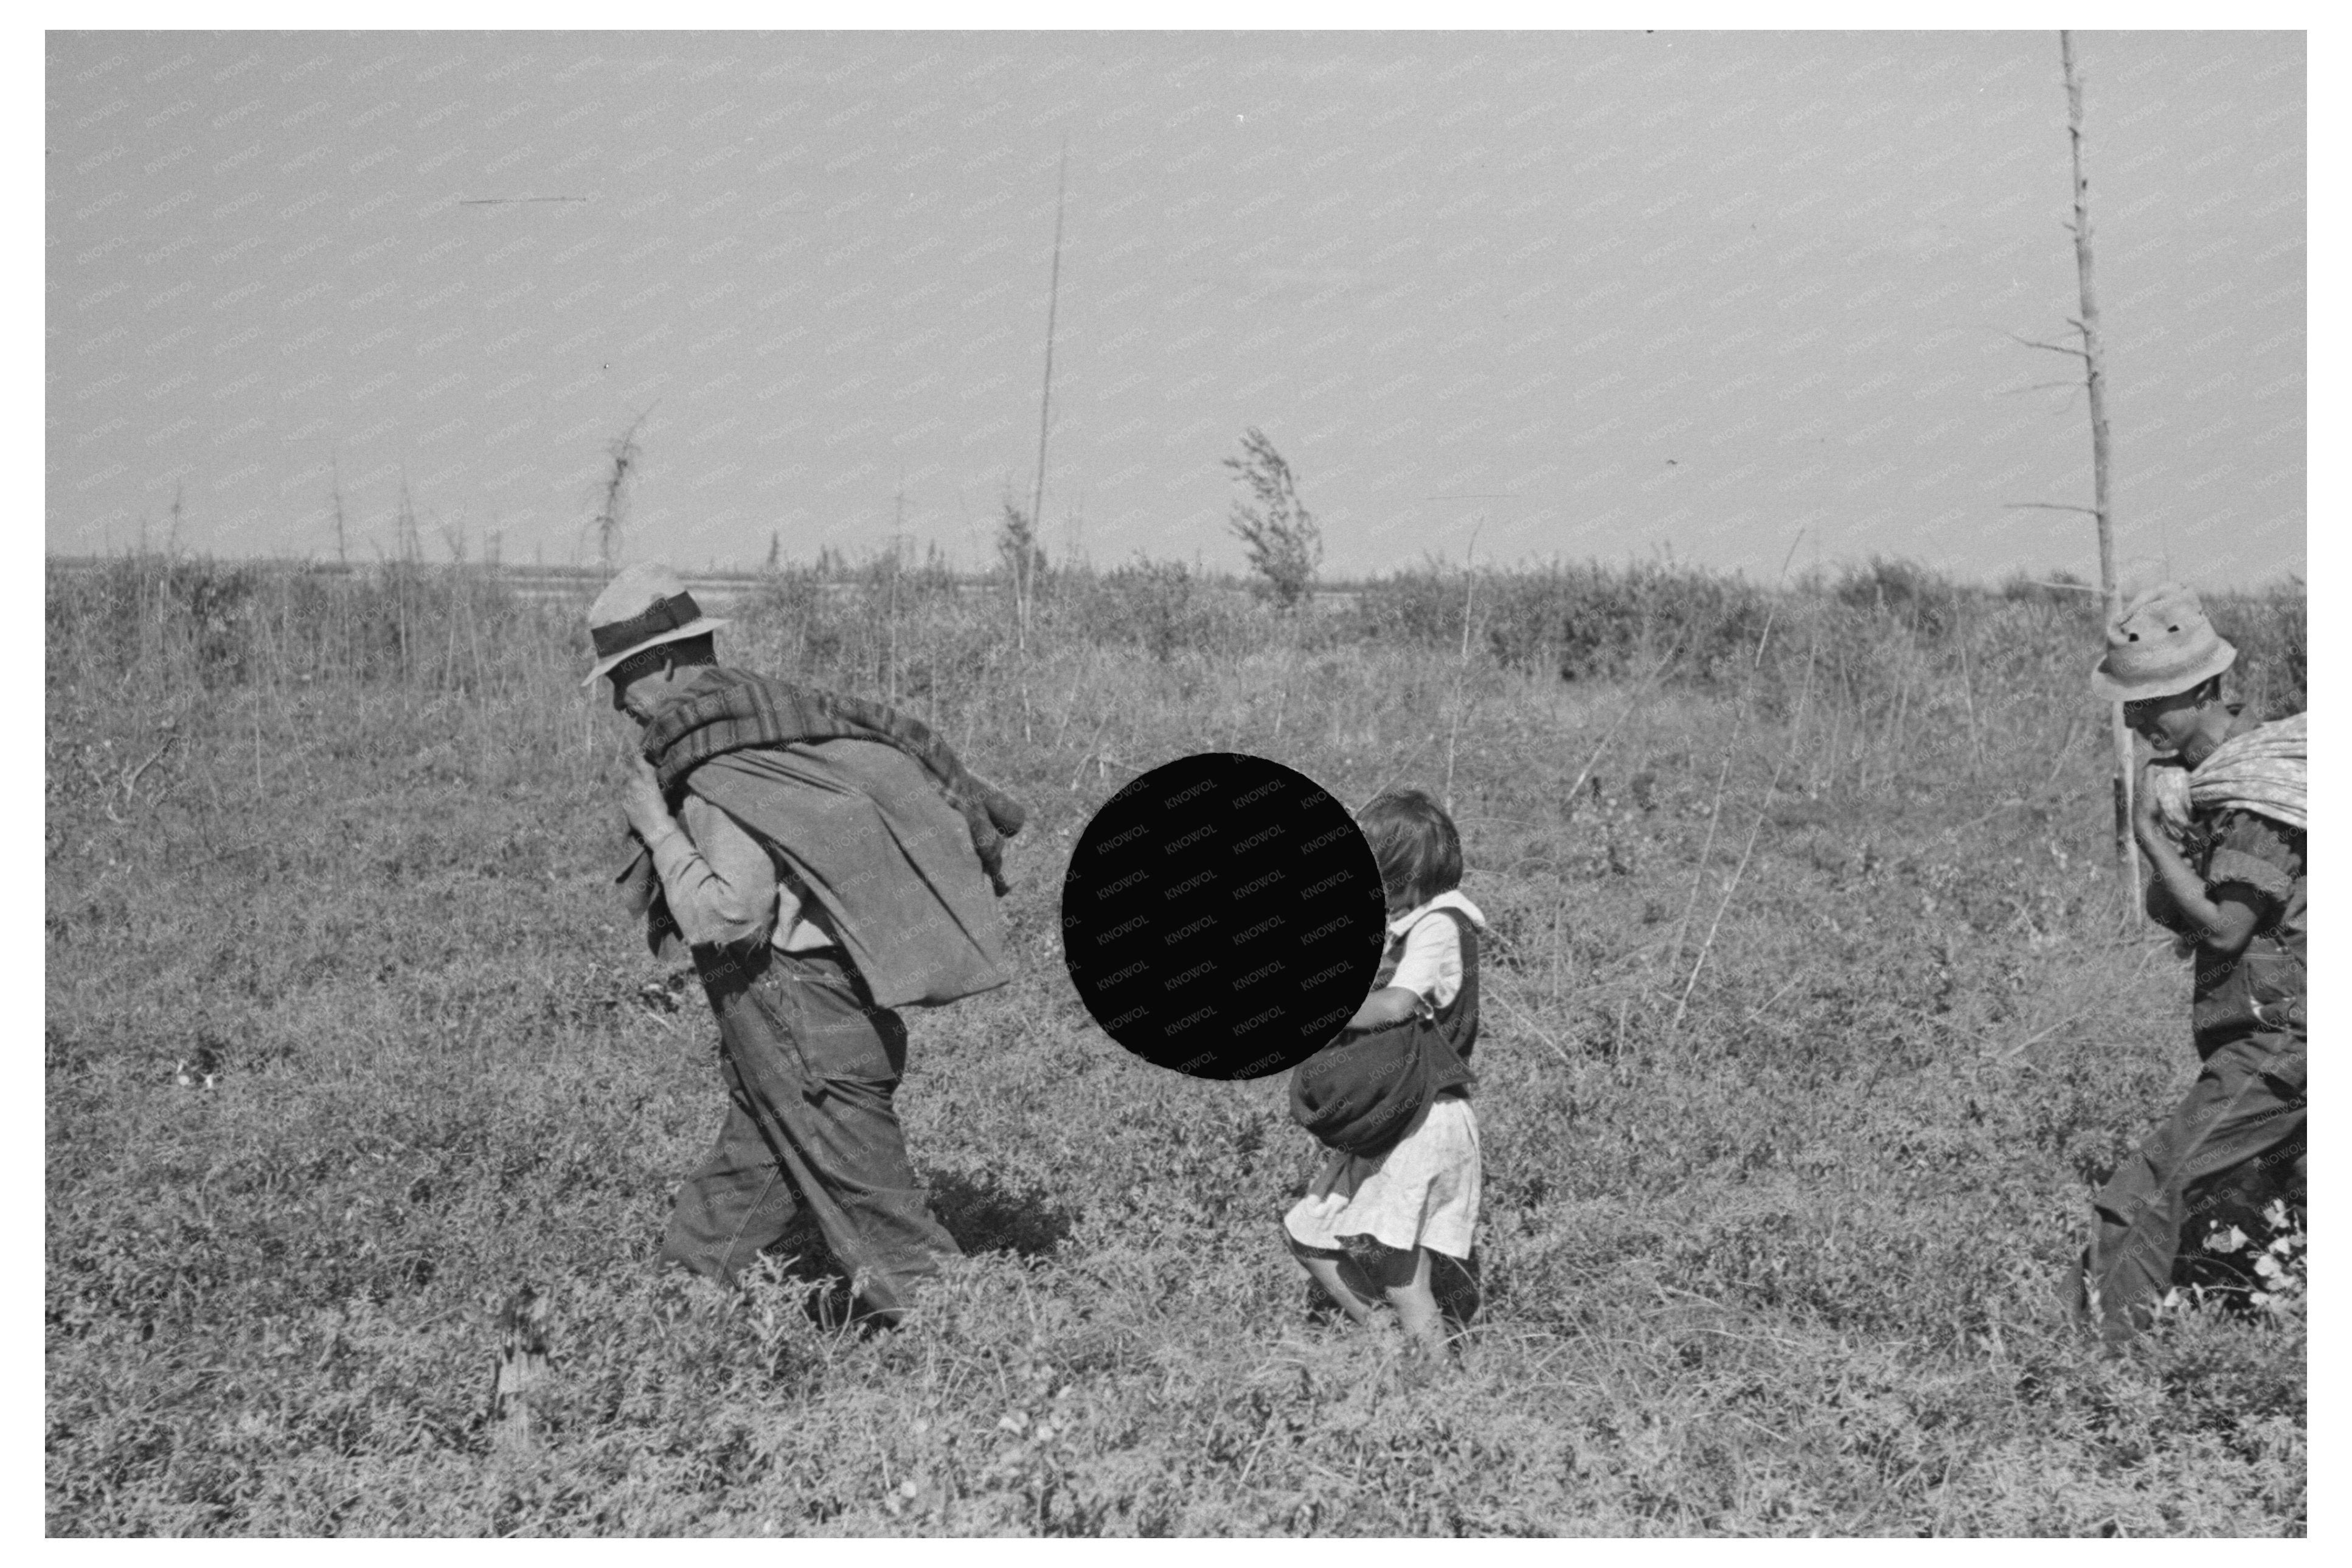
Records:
x=1731, y=299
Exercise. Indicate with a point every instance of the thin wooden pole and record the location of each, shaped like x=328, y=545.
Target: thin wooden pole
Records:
x=1469, y=588
x=2095, y=378
x=342, y=548
x=1020, y=584
x=1968, y=694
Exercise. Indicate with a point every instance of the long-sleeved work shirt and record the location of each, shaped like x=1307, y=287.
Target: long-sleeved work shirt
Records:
x=722, y=888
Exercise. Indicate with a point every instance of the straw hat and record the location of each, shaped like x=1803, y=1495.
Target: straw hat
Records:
x=644, y=607
x=2162, y=645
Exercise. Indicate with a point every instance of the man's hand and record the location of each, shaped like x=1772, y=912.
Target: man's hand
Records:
x=2151, y=824
x=642, y=804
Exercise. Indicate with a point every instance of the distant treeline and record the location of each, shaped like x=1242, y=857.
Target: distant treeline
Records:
x=904, y=623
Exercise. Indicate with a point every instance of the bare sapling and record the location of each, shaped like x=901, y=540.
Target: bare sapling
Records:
x=1461, y=669
x=2093, y=357
x=1969, y=695
x=404, y=554
x=1046, y=397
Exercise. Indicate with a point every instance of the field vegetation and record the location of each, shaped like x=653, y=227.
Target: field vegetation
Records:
x=1810, y=1017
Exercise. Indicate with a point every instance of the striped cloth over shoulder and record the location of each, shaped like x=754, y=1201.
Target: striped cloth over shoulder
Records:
x=2265, y=770
x=732, y=709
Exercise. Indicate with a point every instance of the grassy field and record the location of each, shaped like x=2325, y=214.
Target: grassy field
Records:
x=1810, y=1019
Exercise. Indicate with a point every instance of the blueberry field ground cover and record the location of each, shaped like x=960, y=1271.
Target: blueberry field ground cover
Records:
x=1810, y=1020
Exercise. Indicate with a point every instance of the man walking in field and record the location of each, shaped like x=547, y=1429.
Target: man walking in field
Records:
x=826, y=860
x=2224, y=811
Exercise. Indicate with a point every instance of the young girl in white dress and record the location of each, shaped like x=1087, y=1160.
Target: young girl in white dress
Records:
x=1377, y=1229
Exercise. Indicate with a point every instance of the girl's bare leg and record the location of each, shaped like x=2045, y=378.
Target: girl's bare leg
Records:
x=1325, y=1269
x=1407, y=1289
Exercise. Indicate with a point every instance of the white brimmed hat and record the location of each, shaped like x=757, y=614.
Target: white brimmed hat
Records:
x=2162, y=645
x=643, y=608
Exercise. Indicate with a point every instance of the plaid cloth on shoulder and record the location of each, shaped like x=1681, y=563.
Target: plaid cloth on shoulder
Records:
x=2266, y=770
x=733, y=709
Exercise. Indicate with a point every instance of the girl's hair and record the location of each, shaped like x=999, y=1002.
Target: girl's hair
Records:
x=1413, y=843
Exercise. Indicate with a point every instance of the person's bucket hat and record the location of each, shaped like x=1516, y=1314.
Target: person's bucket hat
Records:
x=2161, y=645
x=644, y=606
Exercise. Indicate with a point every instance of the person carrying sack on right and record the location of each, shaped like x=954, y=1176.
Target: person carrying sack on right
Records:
x=1390, y=1215
x=2222, y=820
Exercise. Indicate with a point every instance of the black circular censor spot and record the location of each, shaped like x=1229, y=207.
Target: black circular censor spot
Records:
x=1222, y=916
